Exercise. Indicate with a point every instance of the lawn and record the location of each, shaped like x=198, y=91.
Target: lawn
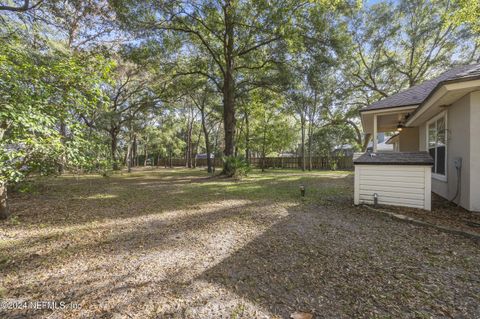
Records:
x=177, y=243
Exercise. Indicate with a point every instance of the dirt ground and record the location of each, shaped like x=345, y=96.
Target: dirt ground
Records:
x=444, y=213
x=177, y=244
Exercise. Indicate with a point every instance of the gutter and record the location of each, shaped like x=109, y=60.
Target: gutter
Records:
x=386, y=108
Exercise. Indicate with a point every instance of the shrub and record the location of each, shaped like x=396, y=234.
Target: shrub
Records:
x=235, y=166
x=333, y=164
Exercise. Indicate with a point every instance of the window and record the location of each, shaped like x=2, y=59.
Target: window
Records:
x=437, y=145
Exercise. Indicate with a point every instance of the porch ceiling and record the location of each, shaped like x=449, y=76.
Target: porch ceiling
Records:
x=387, y=120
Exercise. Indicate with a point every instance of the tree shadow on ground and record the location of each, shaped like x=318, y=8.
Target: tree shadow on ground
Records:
x=132, y=266
x=352, y=263
x=320, y=255
x=144, y=234
x=130, y=240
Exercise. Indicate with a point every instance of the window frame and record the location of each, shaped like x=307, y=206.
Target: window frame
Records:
x=434, y=120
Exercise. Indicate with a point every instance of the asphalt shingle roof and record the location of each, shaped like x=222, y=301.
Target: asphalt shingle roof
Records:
x=418, y=93
x=395, y=158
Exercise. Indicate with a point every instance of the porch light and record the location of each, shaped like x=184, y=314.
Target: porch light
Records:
x=399, y=127
x=302, y=190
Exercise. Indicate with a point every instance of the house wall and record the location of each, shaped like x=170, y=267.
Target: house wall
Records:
x=474, y=165
x=458, y=145
x=408, y=140
x=422, y=137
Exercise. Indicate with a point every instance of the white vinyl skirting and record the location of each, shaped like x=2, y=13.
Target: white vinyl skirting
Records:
x=399, y=185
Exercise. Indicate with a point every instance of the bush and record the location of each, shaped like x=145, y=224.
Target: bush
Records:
x=25, y=186
x=333, y=165
x=235, y=166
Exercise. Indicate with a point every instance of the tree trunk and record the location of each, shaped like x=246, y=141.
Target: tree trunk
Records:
x=145, y=152
x=365, y=142
x=264, y=148
x=238, y=132
x=311, y=123
x=229, y=117
x=134, y=151
x=229, y=82
x=3, y=129
x=207, y=140
x=63, y=157
x=129, y=156
x=215, y=145
x=309, y=148
x=209, y=159
x=113, y=146
x=188, y=151
x=125, y=158
x=195, y=150
x=358, y=133
x=3, y=201
x=3, y=186
x=302, y=121
x=247, y=138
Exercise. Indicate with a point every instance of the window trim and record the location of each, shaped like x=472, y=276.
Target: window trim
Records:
x=440, y=177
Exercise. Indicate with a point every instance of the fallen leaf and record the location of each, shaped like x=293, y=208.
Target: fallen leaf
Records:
x=301, y=315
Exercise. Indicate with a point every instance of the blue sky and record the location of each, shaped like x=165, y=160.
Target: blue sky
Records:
x=370, y=2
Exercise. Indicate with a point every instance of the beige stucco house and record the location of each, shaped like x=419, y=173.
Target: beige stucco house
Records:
x=441, y=117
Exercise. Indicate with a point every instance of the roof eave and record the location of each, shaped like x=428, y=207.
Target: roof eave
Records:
x=440, y=85
x=388, y=108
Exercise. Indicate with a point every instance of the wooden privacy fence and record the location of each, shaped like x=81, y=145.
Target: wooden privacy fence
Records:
x=318, y=162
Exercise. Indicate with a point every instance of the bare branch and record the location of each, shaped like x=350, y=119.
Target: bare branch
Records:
x=25, y=7
x=219, y=87
x=258, y=45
